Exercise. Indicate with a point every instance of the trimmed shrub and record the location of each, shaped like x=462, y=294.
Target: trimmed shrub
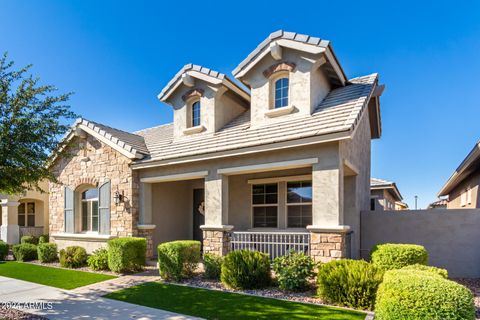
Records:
x=213, y=265
x=395, y=256
x=47, y=252
x=44, y=238
x=126, y=254
x=73, y=257
x=178, y=259
x=434, y=270
x=294, y=271
x=411, y=295
x=245, y=269
x=98, y=260
x=25, y=252
x=352, y=283
x=3, y=250
x=29, y=239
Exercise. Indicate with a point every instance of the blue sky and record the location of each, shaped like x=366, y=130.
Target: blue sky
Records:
x=117, y=55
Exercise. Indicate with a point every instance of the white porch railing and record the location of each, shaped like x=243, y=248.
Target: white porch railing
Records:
x=31, y=231
x=274, y=244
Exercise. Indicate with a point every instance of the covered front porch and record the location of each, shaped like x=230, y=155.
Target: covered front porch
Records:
x=273, y=207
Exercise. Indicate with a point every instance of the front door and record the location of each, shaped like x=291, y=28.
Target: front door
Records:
x=198, y=213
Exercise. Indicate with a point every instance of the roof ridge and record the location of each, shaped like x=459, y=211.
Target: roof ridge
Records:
x=154, y=127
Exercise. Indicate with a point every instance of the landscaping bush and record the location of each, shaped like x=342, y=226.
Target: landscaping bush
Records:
x=352, y=283
x=44, y=238
x=293, y=271
x=245, y=269
x=3, y=250
x=98, y=260
x=25, y=252
x=178, y=259
x=213, y=265
x=434, y=270
x=73, y=257
x=126, y=254
x=47, y=252
x=411, y=295
x=395, y=256
x=29, y=239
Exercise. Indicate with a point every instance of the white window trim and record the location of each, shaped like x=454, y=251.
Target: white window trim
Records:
x=89, y=218
x=463, y=199
x=295, y=204
x=271, y=82
x=263, y=205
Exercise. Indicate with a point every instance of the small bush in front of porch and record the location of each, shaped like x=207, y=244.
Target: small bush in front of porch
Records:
x=29, y=239
x=395, y=255
x=434, y=270
x=294, y=271
x=47, y=252
x=126, y=254
x=3, y=250
x=213, y=265
x=25, y=252
x=245, y=269
x=352, y=283
x=178, y=259
x=73, y=257
x=98, y=260
x=410, y=295
x=44, y=238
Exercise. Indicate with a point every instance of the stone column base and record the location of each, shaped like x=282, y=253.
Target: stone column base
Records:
x=217, y=240
x=326, y=246
x=10, y=233
x=146, y=231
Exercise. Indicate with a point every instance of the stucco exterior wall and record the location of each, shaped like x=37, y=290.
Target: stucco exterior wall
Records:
x=381, y=196
x=451, y=237
x=454, y=198
x=93, y=163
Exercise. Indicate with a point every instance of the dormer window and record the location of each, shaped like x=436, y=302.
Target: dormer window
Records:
x=196, y=114
x=281, y=93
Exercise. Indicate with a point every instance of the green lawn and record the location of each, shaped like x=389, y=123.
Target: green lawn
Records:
x=212, y=304
x=54, y=277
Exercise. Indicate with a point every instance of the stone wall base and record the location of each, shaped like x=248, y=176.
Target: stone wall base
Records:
x=328, y=246
x=216, y=242
x=148, y=235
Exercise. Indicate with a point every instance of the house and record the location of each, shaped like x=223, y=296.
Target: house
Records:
x=462, y=187
x=385, y=195
x=279, y=155
x=24, y=214
x=439, y=204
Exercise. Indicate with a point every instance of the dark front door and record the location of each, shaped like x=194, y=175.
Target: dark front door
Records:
x=198, y=213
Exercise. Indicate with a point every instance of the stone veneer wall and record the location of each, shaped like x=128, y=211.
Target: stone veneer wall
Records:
x=216, y=242
x=148, y=235
x=89, y=161
x=328, y=246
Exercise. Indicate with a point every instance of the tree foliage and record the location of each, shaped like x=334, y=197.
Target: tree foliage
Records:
x=32, y=118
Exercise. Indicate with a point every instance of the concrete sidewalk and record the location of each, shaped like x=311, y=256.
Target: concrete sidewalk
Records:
x=80, y=303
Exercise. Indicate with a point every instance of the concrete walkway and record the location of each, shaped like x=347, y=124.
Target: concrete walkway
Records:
x=84, y=302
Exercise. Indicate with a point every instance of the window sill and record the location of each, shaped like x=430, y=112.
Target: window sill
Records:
x=194, y=130
x=279, y=111
x=82, y=236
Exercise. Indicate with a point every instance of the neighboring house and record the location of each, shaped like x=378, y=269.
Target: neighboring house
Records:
x=25, y=214
x=462, y=187
x=287, y=159
x=385, y=195
x=439, y=204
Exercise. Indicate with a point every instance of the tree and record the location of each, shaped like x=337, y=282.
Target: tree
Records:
x=32, y=118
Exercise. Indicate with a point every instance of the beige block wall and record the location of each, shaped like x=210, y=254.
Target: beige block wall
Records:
x=454, y=198
x=104, y=163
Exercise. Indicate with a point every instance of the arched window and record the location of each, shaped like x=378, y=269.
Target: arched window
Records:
x=281, y=93
x=196, y=114
x=90, y=210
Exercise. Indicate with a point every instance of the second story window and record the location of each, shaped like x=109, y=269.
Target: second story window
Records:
x=196, y=114
x=281, y=93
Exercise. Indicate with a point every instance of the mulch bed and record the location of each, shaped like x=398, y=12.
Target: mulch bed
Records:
x=474, y=286
x=14, y=314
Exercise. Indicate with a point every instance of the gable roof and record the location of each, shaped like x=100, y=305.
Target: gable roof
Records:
x=335, y=118
x=204, y=74
x=470, y=164
x=380, y=184
x=307, y=43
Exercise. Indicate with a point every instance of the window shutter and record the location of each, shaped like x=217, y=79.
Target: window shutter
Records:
x=68, y=210
x=104, y=207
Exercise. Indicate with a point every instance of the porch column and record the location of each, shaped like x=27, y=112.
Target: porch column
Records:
x=216, y=231
x=10, y=231
x=145, y=224
x=328, y=234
